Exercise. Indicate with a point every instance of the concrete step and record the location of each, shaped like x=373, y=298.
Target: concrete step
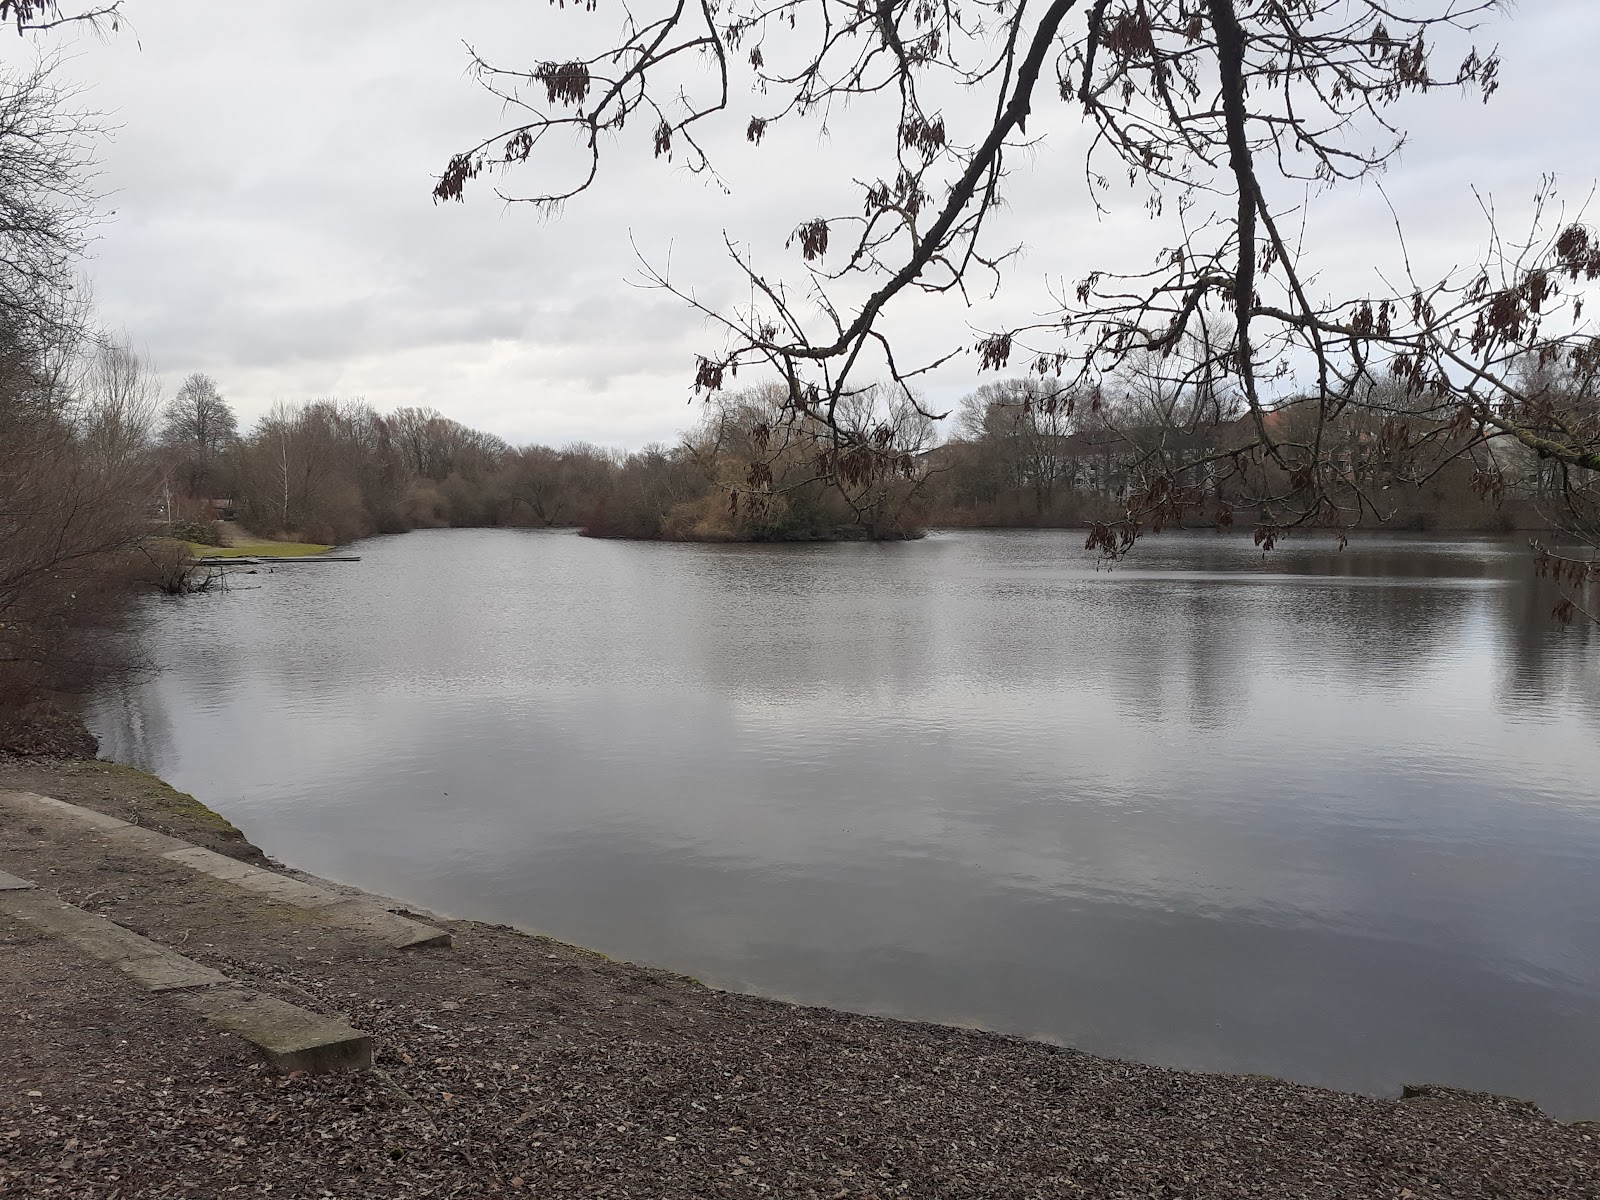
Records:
x=48, y=806
x=156, y=968
x=291, y=1038
x=144, y=839
x=369, y=921
x=362, y=916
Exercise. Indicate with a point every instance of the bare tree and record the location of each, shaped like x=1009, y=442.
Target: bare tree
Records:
x=75, y=409
x=47, y=207
x=74, y=484
x=74, y=480
x=535, y=479
x=436, y=446
x=1226, y=118
x=1028, y=423
x=118, y=403
x=197, y=426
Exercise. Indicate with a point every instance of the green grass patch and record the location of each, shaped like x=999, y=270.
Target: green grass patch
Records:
x=253, y=549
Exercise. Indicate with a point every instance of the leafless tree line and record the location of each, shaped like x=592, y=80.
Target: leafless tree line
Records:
x=1024, y=450
x=331, y=470
x=1027, y=450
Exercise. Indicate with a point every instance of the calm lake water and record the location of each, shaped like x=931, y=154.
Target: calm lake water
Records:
x=1331, y=816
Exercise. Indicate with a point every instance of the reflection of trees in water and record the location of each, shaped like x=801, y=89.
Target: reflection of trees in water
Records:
x=1395, y=560
x=1213, y=617
x=1182, y=634
x=1197, y=649
x=864, y=618
x=1215, y=670
x=212, y=669
x=1186, y=632
x=131, y=720
x=191, y=648
x=1544, y=666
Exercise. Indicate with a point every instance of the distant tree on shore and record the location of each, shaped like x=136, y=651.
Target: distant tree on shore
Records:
x=197, y=427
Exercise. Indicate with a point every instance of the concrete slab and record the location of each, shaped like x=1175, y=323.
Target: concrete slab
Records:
x=386, y=928
x=145, y=839
x=288, y=890
x=367, y=919
x=219, y=866
x=169, y=972
x=12, y=883
x=291, y=1038
x=283, y=888
x=155, y=967
x=362, y=916
x=48, y=806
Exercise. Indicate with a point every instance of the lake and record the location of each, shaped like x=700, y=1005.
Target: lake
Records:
x=1326, y=815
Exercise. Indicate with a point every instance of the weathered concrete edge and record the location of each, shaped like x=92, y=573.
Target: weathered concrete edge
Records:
x=153, y=966
x=49, y=806
x=355, y=912
x=289, y=1037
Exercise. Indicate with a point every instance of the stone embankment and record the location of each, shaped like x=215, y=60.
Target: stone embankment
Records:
x=503, y=1064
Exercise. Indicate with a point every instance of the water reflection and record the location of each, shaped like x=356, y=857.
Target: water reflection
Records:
x=1323, y=815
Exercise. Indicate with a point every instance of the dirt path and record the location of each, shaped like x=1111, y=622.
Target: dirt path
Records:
x=235, y=534
x=513, y=1065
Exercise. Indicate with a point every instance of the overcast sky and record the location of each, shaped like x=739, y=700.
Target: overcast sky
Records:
x=273, y=226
